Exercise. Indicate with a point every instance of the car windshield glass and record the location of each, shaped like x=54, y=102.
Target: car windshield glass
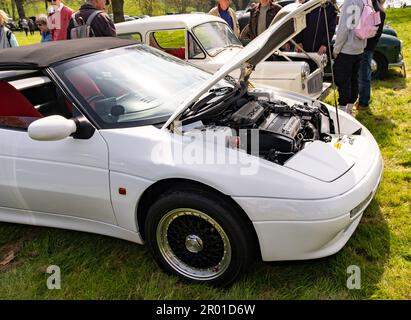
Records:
x=131, y=86
x=215, y=36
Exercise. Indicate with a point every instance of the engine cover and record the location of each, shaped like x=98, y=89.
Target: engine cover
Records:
x=248, y=114
x=283, y=124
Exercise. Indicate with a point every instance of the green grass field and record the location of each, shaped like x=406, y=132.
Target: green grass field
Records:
x=98, y=267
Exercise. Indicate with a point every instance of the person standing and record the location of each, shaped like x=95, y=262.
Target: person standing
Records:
x=314, y=37
x=32, y=26
x=364, y=78
x=101, y=26
x=41, y=22
x=58, y=20
x=25, y=26
x=261, y=15
x=7, y=38
x=348, y=49
x=224, y=11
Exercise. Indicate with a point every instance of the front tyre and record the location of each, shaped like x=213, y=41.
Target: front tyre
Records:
x=199, y=237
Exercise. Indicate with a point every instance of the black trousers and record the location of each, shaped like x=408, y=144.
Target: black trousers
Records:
x=346, y=69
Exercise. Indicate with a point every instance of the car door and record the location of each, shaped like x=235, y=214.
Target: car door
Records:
x=68, y=177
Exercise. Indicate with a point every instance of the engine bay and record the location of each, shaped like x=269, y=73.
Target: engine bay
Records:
x=282, y=129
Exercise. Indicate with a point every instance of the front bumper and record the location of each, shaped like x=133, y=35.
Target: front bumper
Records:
x=309, y=229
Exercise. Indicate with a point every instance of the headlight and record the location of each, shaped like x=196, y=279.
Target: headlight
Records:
x=324, y=60
x=305, y=70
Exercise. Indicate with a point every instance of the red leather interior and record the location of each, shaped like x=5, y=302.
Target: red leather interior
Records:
x=15, y=104
x=177, y=52
x=84, y=85
x=69, y=106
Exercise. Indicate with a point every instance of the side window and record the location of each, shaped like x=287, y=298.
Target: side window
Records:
x=16, y=110
x=28, y=99
x=194, y=49
x=132, y=36
x=170, y=41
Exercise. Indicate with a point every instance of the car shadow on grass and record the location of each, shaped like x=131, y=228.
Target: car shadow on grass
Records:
x=381, y=127
x=393, y=80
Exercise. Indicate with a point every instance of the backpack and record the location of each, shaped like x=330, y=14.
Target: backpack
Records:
x=8, y=36
x=369, y=21
x=81, y=29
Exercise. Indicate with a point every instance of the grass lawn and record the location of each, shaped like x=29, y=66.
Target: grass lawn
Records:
x=99, y=267
x=24, y=40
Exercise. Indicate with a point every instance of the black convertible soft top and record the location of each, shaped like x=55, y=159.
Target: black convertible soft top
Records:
x=45, y=54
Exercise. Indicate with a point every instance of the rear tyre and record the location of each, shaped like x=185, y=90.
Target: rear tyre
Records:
x=199, y=237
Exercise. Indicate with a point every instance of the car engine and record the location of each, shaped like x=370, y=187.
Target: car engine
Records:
x=282, y=130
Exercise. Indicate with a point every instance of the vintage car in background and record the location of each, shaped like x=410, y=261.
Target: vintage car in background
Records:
x=209, y=43
x=12, y=25
x=107, y=136
x=397, y=4
x=388, y=53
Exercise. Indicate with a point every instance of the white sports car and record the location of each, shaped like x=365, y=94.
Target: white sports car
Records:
x=107, y=136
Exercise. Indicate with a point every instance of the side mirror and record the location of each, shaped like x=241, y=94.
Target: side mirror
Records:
x=52, y=128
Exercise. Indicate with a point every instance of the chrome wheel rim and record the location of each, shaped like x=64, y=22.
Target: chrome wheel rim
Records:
x=374, y=66
x=193, y=244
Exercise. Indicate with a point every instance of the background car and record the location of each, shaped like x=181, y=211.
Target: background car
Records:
x=398, y=4
x=126, y=17
x=209, y=43
x=12, y=25
x=388, y=53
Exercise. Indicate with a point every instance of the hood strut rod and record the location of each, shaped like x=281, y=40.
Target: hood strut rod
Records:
x=332, y=71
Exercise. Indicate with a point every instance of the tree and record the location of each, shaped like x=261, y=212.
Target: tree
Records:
x=20, y=8
x=118, y=10
x=180, y=5
x=146, y=6
x=5, y=6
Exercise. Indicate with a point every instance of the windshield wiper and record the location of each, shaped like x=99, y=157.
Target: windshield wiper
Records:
x=234, y=45
x=206, y=102
x=216, y=51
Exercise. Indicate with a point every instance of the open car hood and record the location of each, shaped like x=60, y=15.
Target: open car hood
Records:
x=288, y=22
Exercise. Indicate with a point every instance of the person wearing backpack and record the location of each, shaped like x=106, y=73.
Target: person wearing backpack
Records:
x=58, y=19
x=348, y=49
x=7, y=38
x=364, y=79
x=93, y=19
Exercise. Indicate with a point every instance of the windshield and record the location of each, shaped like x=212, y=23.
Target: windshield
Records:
x=215, y=36
x=130, y=86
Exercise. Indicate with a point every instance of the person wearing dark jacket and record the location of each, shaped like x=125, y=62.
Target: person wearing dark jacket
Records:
x=364, y=76
x=314, y=37
x=261, y=16
x=101, y=26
